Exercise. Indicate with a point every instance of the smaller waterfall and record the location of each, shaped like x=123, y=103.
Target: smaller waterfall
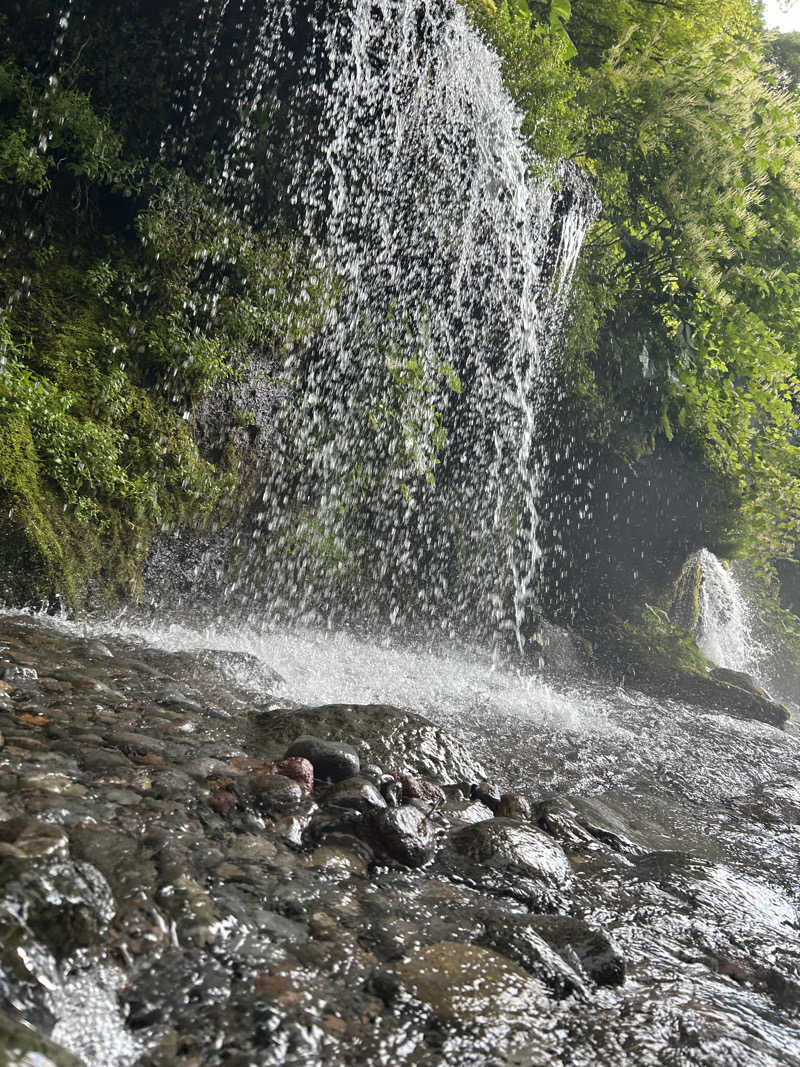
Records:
x=724, y=626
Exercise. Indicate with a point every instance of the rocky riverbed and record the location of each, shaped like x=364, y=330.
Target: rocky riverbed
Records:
x=197, y=869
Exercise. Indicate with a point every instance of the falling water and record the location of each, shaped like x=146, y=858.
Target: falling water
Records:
x=724, y=627
x=409, y=466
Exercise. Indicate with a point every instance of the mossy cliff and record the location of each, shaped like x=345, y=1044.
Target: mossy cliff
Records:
x=129, y=292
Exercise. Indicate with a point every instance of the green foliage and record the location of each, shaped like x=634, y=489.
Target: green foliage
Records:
x=406, y=415
x=685, y=326
x=534, y=58
x=130, y=293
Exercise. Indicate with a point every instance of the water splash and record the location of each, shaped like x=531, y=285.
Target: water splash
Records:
x=409, y=467
x=725, y=620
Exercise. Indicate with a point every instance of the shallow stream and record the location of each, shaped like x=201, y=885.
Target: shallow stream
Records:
x=165, y=902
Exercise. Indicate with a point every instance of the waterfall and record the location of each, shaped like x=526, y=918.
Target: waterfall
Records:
x=408, y=478
x=724, y=619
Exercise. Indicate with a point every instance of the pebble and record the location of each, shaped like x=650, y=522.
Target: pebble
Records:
x=470, y=986
x=358, y=793
x=406, y=834
x=20, y=675
x=274, y=793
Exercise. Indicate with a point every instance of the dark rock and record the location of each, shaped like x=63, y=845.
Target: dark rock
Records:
x=596, y=951
x=332, y=760
x=383, y=735
x=406, y=834
x=513, y=806
x=519, y=939
x=274, y=793
x=487, y=793
x=514, y=848
x=358, y=793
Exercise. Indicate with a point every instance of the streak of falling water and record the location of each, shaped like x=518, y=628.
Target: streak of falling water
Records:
x=410, y=468
x=201, y=53
x=724, y=629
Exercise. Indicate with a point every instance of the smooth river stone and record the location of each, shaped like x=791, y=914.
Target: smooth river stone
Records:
x=508, y=845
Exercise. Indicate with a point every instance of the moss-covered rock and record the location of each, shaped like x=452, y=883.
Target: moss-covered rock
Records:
x=685, y=609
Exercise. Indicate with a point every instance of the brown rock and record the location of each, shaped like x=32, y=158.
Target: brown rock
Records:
x=513, y=806
x=472, y=986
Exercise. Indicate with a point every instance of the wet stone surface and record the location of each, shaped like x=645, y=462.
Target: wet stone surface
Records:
x=181, y=885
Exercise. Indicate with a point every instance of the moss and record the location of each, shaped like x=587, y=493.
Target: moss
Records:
x=32, y=562
x=648, y=649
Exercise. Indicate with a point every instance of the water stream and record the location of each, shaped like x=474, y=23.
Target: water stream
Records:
x=407, y=464
x=725, y=619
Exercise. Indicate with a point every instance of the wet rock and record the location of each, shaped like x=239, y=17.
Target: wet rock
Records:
x=332, y=857
x=419, y=789
x=223, y=802
x=513, y=848
x=716, y=696
x=192, y=910
x=118, y=856
x=487, y=793
x=471, y=986
x=407, y=834
x=358, y=793
x=237, y=666
x=382, y=735
x=174, y=698
x=251, y=847
x=331, y=760
x=518, y=939
x=740, y=679
x=468, y=812
x=28, y=839
x=513, y=806
x=53, y=783
x=67, y=905
x=392, y=792
x=595, y=950
x=299, y=769
x=138, y=929
x=581, y=824
x=104, y=759
x=274, y=793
